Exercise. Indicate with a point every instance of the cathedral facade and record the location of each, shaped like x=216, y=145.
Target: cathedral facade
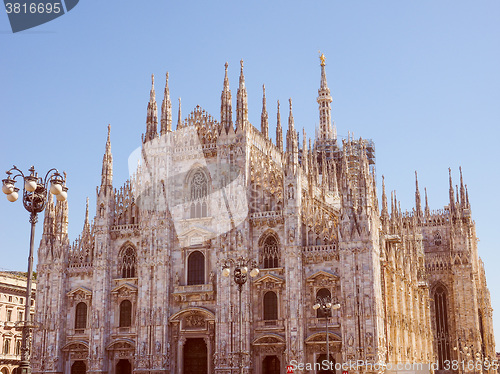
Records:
x=141, y=290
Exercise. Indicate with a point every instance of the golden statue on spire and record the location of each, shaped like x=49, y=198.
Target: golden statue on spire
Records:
x=322, y=58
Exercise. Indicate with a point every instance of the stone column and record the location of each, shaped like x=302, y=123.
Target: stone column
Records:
x=180, y=347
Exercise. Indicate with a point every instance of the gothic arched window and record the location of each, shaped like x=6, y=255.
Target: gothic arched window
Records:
x=81, y=316
x=127, y=266
x=125, y=313
x=322, y=294
x=437, y=238
x=270, y=253
x=441, y=324
x=198, y=194
x=270, y=306
x=196, y=268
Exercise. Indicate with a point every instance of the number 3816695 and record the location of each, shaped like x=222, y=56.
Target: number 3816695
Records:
x=25, y=8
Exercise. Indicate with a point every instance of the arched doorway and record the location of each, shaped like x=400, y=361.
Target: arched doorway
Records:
x=271, y=365
x=78, y=367
x=321, y=358
x=123, y=367
x=195, y=356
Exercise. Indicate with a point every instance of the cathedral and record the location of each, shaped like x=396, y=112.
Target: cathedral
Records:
x=157, y=281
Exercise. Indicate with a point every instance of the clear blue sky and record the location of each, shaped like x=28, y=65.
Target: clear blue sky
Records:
x=421, y=78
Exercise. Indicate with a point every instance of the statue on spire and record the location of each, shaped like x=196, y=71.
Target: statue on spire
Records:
x=322, y=58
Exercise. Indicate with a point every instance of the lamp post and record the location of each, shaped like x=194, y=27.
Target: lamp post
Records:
x=460, y=352
x=35, y=194
x=325, y=305
x=242, y=267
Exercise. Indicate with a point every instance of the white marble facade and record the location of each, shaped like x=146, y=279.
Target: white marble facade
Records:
x=141, y=291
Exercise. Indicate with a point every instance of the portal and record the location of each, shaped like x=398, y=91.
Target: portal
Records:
x=195, y=356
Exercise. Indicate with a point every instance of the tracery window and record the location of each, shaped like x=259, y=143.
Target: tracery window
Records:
x=270, y=253
x=128, y=261
x=321, y=294
x=270, y=306
x=125, y=313
x=437, y=238
x=81, y=316
x=441, y=324
x=198, y=195
x=196, y=268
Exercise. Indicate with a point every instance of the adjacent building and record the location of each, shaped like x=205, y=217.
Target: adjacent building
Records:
x=12, y=308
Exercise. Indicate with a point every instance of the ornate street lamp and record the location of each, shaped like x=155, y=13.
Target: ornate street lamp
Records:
x=460, y=351
x=243, y=267
x=35, y=196
x=325, y=305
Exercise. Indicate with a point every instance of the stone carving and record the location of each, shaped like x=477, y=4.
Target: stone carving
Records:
x=350, y=340
x=194, y=321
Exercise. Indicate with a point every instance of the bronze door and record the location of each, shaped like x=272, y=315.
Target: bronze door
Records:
x=321, y=358
x=123, y=367
x=195, y=356
x=78, y=367
x=271, y=365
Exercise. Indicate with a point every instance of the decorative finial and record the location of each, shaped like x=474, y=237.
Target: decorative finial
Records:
x=290, y=101
x=226, y=65
x=153, y=79
x=167, y=77
x=109, y=131
x=322, y=58
x=241, y=63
